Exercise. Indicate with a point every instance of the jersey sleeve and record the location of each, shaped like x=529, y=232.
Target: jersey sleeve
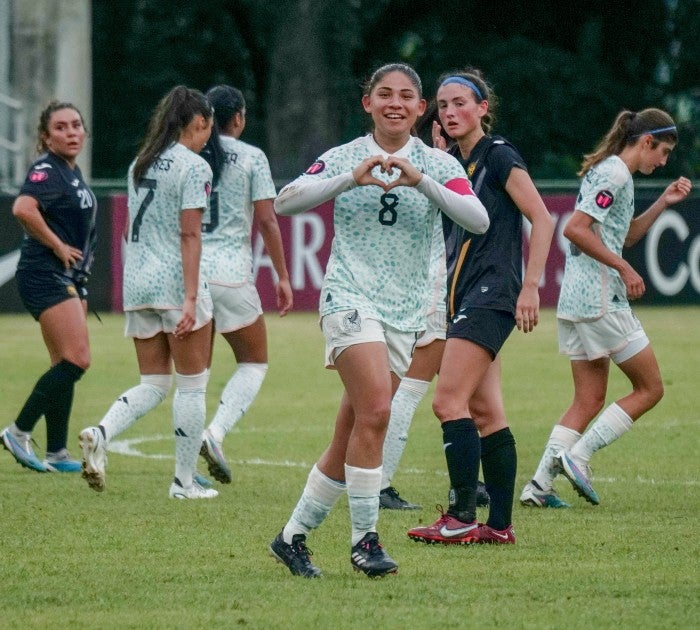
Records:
x=197, y=185
x=601, y=187
x=44, y=183
x=502, y=159
x=262, y=185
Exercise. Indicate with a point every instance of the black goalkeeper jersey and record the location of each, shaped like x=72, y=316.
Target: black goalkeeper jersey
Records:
x=485, y=270
x=69, y=208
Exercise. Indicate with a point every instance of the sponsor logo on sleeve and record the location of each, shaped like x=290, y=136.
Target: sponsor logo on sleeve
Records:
x=317, y=167
x=38, y=176
x=604, y=199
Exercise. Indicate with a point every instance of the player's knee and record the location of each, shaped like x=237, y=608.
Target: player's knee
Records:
x=80, y=358
x=443, y=409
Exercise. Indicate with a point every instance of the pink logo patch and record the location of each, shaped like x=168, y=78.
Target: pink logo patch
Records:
x=316, y=167
x=604, y=199
x=207, y=188
x=38, y=176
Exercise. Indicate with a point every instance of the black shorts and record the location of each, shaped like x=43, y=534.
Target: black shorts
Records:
x=485, y=327
x=40, y=290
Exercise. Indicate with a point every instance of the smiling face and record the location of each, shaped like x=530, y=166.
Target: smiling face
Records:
x=65, y=135
x=394, y=104
x=460, y=114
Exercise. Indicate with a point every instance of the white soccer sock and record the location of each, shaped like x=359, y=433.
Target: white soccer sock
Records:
x=317, y=500
x=363, y=499
x=561, y=439
x=189, y=413
x=403, y=407
x=135, y=403
x=238, y=395
x=611, y=424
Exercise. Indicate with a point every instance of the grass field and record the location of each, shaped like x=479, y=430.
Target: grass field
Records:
x=132, y=558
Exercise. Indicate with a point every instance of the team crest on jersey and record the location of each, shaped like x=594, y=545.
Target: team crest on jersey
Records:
x=470, y=169
x=604, y=199
x=317, y=167
x=352, y=322
x=38, y=176
x=72, y=291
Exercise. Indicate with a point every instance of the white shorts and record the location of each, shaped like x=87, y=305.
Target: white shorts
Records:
x=349, y=328
x=617, y=335
x=148, y=322
x=436, y=328
x=235, y=307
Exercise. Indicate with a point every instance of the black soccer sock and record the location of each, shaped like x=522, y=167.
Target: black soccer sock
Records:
x=52, y=397
x=499, y=462
x=462, y=452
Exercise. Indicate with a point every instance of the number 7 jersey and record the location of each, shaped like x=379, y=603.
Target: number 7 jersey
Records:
x=177, y=180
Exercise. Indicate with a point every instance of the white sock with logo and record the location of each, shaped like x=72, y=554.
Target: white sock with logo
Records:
x=611, y=424
x=318, y=498
x=363, y=499
x=135, y=403
x=238, y=395
x=403, y=407
x=561, y=439
x=189, y=413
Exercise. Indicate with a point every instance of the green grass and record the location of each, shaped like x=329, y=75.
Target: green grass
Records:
x=132, y=558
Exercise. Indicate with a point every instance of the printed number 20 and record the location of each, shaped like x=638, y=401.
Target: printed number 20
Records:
x=388, y=214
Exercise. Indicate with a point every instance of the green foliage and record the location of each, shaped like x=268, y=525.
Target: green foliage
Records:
x=132, y=558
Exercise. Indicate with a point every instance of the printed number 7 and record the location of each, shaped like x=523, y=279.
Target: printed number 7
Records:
x=151, y=185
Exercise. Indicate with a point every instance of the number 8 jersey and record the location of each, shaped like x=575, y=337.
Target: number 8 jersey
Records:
x=380, y=253
x=177, y=180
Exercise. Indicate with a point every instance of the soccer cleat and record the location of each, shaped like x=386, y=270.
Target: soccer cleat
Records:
x=296, y=557
x=482, y=497
x=94, y=447
x=447, y=530
x=369, y=557
x=203, y=481
x=532, y=496
x=214, y=456
x=485, y=535
x=389, y=499
x=578, y=475
x=62, y=462
x=195, y=491
x=21, y=449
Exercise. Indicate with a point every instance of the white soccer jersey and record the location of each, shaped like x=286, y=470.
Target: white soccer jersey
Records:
x=380, y=253
x=227, y=256
x=589, y=288
x=178, y=179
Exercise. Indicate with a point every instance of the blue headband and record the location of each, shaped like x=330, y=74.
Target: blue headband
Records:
x=651, y=132
x=466, y=83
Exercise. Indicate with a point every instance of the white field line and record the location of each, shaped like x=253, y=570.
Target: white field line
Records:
x=127, y=447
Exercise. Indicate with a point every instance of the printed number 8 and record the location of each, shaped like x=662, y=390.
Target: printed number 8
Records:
x=388, y=214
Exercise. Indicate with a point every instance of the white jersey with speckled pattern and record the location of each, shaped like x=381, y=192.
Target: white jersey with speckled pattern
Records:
x=227, y=257
x=589, y=288
x=177, y=180
x=380, y=255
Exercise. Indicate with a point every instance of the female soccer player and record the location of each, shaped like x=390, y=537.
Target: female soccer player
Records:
x=243, y=189
x=487, y=298
x=57, y=211
x=595, y=321
x=168, y=308
x=387, y=188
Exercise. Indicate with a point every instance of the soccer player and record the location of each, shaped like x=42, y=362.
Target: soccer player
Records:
x=595, y=320
x=167, y=305
x=243, y=189
x=387, y=188
x=487, y=298
x=57, y=211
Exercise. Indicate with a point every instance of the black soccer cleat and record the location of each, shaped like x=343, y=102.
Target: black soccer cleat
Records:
x=295, y=556
x=389, y=499
x=369, y=557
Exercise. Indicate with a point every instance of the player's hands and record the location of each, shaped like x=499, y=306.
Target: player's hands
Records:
x=439, y=141
x=409, y=175
x=527, y=309
x=677, y=191
x=362, y=173
x=634, y=283
x=188, y=319
x=68, y=255
x=285, y=297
